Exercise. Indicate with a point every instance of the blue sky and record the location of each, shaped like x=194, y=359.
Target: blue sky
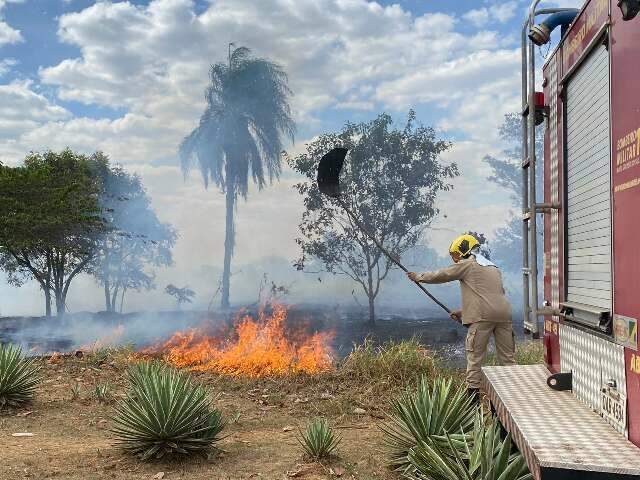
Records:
x=127, y=78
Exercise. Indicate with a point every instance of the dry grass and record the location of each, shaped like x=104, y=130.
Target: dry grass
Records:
x=527, y=353
x=70, y=425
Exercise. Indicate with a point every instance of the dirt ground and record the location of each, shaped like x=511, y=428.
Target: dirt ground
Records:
x=71, y=439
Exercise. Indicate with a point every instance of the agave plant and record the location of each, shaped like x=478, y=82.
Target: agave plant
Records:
x=319, y=441
x=18, y=377
x=140, y=371
x=425, y=416
x=103, y=392
x=164, y=413
x=484, y=455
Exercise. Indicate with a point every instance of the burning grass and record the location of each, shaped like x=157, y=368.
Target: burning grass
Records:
x=255, y=348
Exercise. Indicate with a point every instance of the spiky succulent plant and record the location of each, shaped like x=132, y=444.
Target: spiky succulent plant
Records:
x=18, y=377
x=165, y=413
x=318, y=440
x=425, y=415
x=483, y=455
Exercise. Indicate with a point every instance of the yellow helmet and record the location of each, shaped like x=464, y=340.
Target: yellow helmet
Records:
x=463, y=245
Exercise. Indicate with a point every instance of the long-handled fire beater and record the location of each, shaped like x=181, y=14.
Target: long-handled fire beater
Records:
x=329, y=184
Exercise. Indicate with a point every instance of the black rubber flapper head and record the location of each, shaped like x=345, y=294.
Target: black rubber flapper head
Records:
x=329, y=171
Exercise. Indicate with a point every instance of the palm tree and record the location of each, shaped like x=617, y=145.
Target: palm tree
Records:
x=240, y=134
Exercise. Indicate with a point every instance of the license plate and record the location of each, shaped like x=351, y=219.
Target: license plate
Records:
x=614, y=409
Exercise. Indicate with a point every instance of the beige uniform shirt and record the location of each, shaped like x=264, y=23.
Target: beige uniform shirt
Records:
x=483, y=296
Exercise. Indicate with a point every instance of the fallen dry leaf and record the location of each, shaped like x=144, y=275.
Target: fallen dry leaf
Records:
x=301, y=470
x=23, y=414
x=159, y=476
x=22, y=434
x=359, y=411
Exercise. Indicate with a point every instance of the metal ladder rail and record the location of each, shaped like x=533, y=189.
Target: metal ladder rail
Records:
x=530, y=207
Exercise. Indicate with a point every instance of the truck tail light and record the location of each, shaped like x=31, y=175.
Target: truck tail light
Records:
x=541, y=110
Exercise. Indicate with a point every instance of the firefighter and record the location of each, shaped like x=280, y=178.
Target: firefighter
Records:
x=485, y=309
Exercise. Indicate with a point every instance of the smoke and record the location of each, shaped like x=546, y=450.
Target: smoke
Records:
x=89, y=331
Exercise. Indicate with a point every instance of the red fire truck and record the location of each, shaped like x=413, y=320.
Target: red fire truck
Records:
x=578, y=415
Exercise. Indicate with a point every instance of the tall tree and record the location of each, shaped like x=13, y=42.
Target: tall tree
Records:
x=390, y=181
x=507, y=173
x=136, y=241
x=240, y=134
x=50, y=221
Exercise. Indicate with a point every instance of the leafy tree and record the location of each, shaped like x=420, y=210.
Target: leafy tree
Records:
x=136, y=242
x=507, y=173
x=240, y=134
x=50, y=221
x=390, y=181
x=182, y=295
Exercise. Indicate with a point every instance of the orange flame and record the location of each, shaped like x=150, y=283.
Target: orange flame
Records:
x=262, y=348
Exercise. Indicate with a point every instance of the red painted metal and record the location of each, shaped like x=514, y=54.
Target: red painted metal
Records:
x=585, y=27
x=625, y=154
x=551, y=337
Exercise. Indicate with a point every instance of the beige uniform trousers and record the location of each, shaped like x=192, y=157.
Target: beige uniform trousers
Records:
x=476, y=346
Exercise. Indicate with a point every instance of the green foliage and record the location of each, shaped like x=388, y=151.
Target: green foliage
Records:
x=424, y=416
x=165, y=413
x=394, y=362
x=318, y=440
x=50, y=220
x=137, y=241
x=18, y=377
x=390, y=180
x=103, y=392
x=483, y=455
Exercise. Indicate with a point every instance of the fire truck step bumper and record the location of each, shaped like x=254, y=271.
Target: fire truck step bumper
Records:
x=559, y=437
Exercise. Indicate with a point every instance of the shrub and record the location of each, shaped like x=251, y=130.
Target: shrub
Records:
x=165, y=413
x=483, y=455
x=424, y=416
x=318, y=441
x=395, y=362
x=18, y=377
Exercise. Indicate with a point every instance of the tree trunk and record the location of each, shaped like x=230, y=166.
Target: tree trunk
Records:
x=114, y=297
x=122, y=299
x=371, y=296
x=47, y=302
x=107, y=294
x=60, y=303
x=372, y=312
x=229, y=241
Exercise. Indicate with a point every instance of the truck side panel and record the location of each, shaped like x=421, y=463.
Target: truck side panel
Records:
x=625, y=152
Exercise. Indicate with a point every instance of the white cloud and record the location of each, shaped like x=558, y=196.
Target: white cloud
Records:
x=6, y=65
x=8, y=34
x=500, y=12
x=22, y=110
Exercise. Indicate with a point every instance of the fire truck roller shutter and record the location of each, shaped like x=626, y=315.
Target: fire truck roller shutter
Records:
x=589, y=182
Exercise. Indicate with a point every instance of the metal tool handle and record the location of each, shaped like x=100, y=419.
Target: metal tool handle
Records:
x=387, y=253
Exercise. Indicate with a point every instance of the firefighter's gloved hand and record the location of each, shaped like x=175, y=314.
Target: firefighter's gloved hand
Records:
x=456, y=315
x=413, y=276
